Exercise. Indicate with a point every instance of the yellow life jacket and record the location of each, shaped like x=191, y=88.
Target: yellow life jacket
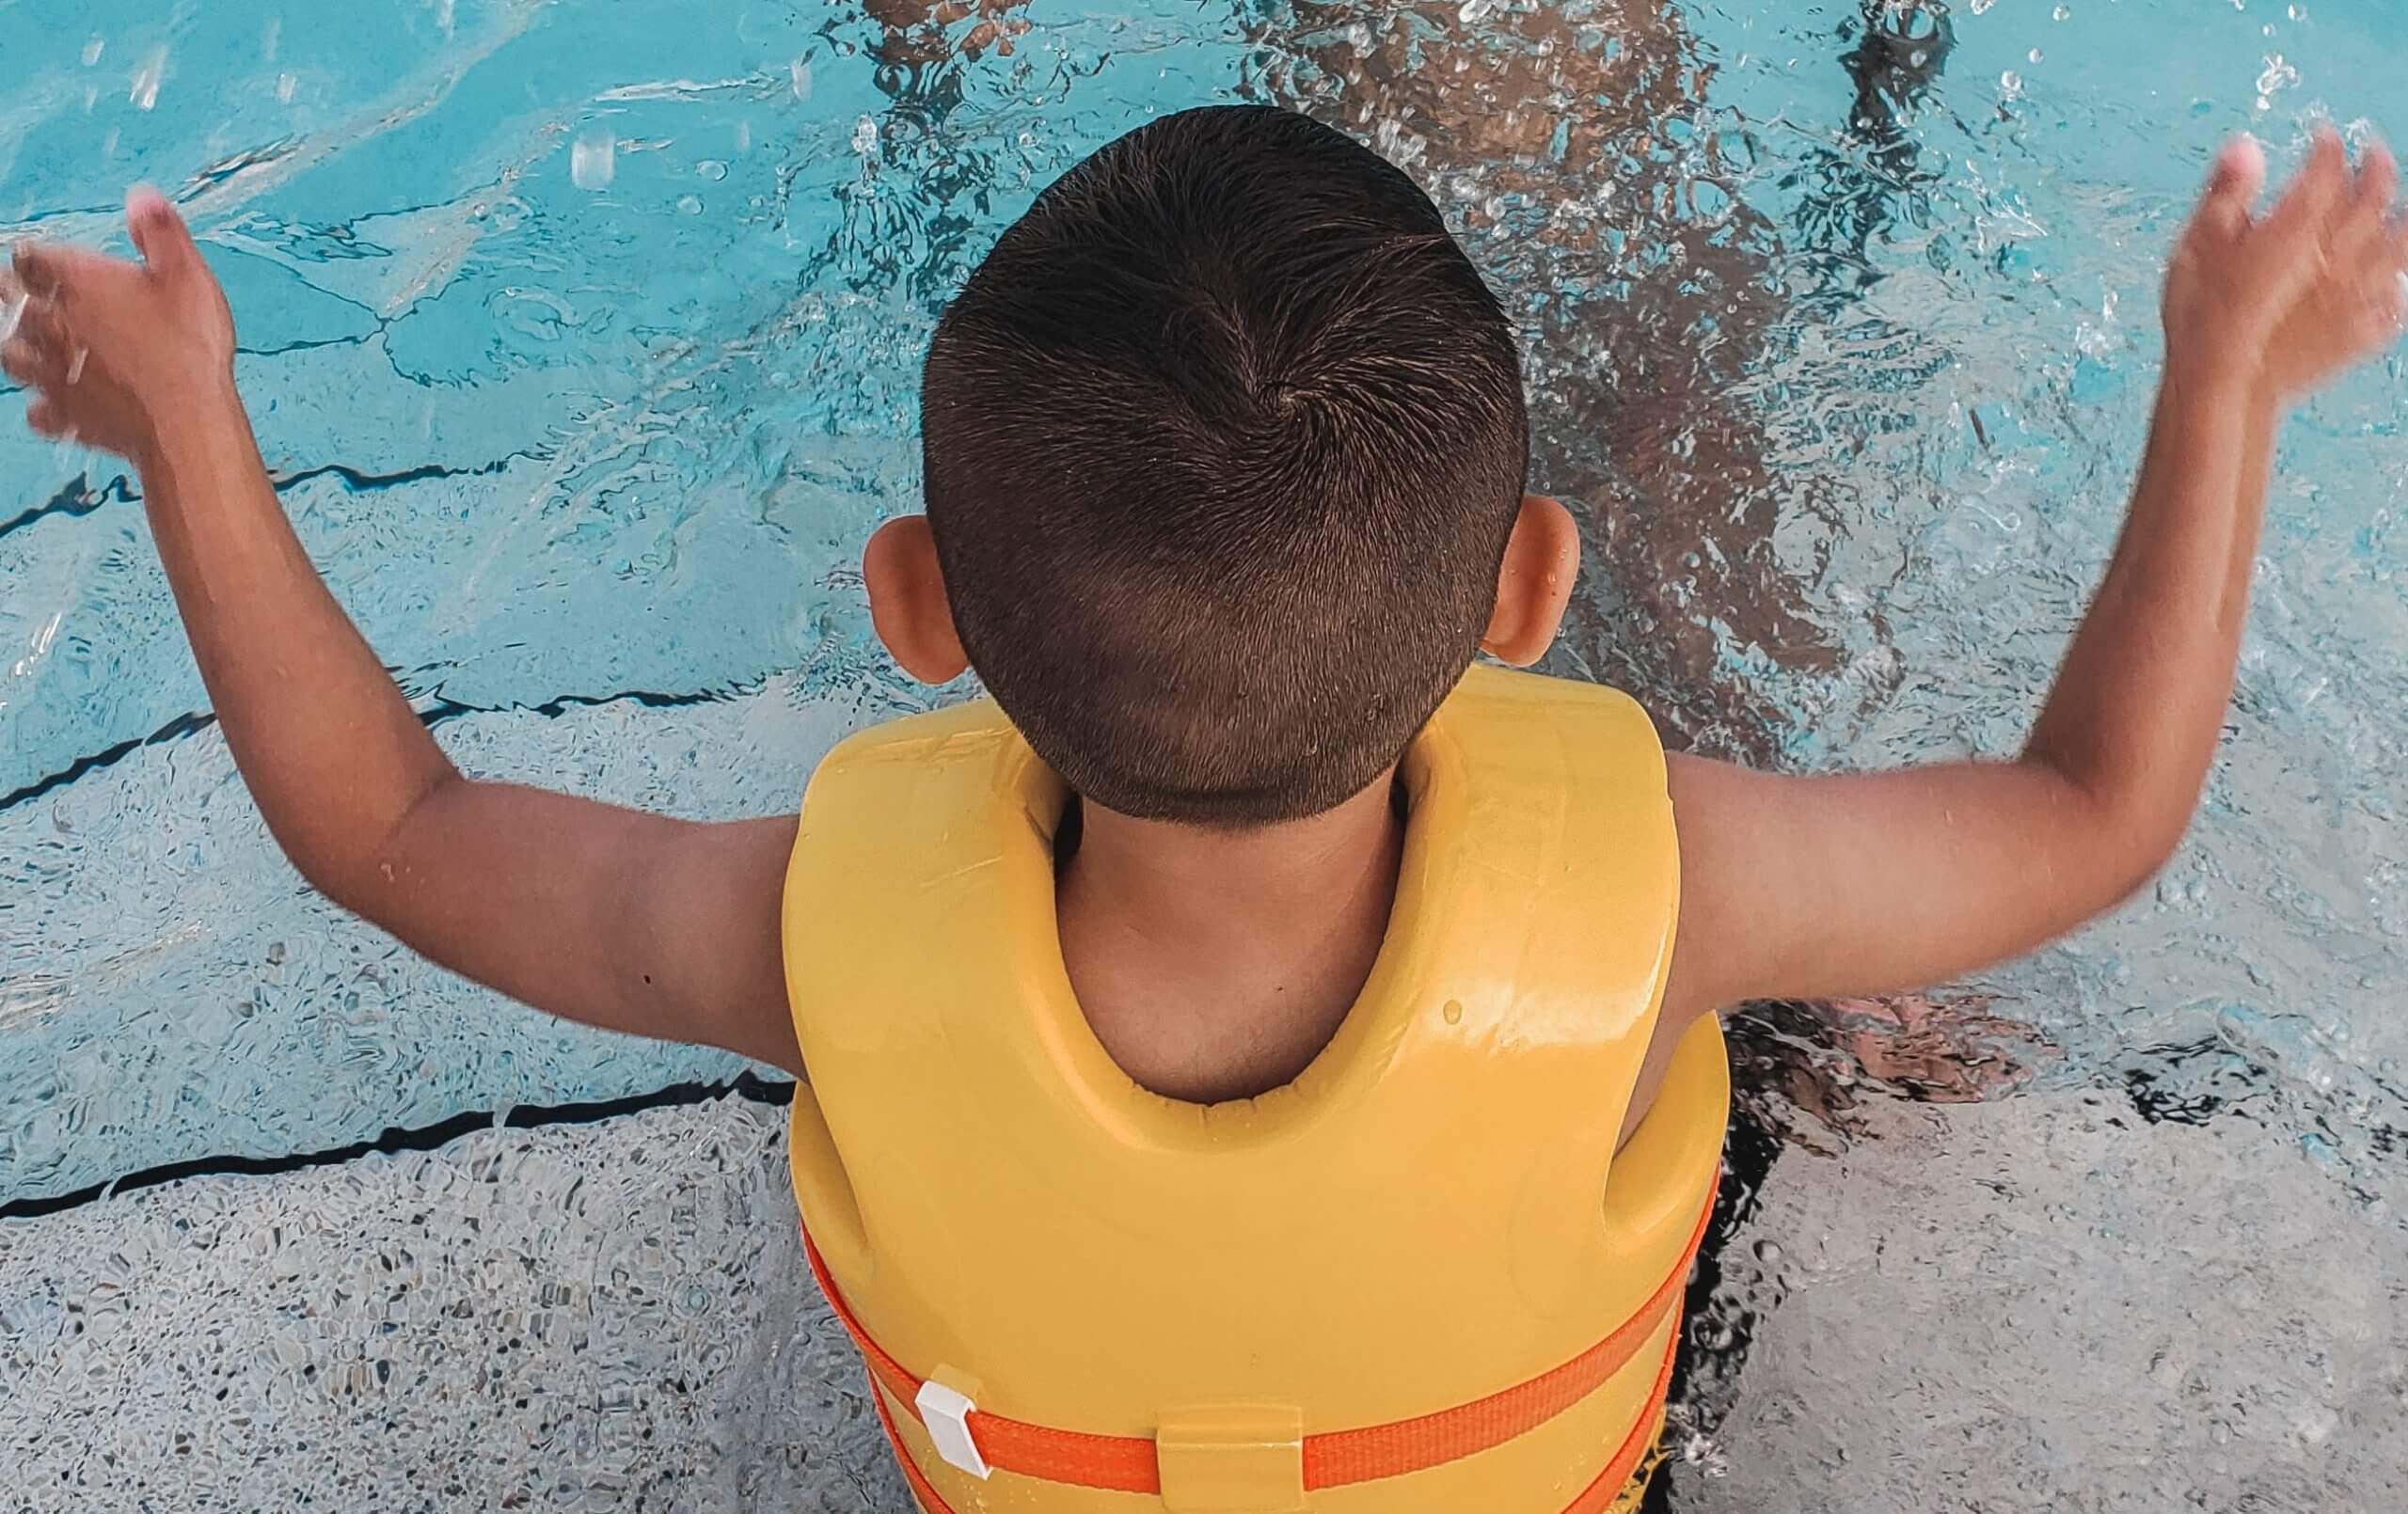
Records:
x=1420, y=1278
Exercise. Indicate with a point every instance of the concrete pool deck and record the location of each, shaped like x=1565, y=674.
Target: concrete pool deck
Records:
x=2036, y=1303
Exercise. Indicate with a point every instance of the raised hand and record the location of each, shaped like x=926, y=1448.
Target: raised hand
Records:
x=115, y=351
x=2302, y=292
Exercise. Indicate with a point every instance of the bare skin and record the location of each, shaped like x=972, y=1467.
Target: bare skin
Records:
x=1149, y=930
x=1792, y=886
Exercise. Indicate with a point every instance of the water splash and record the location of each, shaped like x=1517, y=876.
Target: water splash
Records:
x=142, y=88
x=593, y=158
x=2276, y=77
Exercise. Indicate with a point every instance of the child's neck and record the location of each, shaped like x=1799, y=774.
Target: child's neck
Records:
x=1216, y=965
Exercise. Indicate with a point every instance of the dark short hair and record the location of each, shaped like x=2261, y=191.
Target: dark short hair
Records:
x=1224, y=442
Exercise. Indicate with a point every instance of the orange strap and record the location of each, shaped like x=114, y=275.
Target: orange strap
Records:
x=1594, y=1499
x=1122, y=1464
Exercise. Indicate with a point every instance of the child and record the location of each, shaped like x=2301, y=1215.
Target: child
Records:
x=1218, y=1047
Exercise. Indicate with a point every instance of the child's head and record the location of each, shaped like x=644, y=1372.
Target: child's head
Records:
x=1225, y=444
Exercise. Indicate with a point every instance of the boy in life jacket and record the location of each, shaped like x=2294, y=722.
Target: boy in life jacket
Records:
x=1260, y=1062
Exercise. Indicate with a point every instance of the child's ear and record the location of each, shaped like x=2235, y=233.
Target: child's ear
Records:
x=907, y=604
x=1534, y=584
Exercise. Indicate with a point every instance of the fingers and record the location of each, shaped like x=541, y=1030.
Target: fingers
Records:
x=2233, y=186
x=2363, y=221
x=49, y=270
x=159, y=233
x=2378, y=181
x=37, y=325
x=45, y=418
x=37, y=268
x=39, y=354
x=2293, y=245
x=65, y=276
x=2365, y=251
x=2316, y=192
x=33, y=367
x=58, y=274
x=21, y=309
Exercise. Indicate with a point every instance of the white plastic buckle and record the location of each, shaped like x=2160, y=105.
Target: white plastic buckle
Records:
x=946, y=1414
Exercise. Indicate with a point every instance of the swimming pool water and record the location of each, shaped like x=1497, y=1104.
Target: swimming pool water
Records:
x=584, y=339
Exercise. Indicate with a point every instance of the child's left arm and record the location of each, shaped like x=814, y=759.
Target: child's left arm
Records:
x=1836, y=884
x=632, y=921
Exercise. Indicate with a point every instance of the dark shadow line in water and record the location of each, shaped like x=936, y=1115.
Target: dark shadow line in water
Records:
x=424, y=1137
x=279, y=351
x=434, y=715
x=175, y=730
x=552, y=709
x=359, y=482
x=77, y=497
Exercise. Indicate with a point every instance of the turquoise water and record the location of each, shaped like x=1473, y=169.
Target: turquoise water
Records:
x=583, y=339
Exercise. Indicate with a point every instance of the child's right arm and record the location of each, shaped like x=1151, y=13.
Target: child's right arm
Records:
x=1838, y=885
x=632, y=921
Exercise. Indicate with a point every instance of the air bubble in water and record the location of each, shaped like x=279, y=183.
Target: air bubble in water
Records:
x=865, y=136
x=2011, y=82
x=2033, y=54
x=2060, y=13
x=1980, y=6
x=144, y=90
x=284, y=85
x=1475, y=11
x=689, y=205
x=92, y=51
x=799, y=76
x=712, y=169
x=593, y=158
